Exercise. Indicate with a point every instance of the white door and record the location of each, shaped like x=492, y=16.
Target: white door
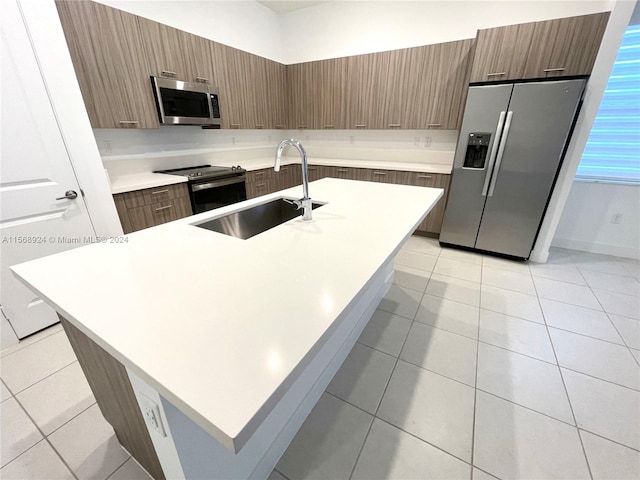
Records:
x=35, y=217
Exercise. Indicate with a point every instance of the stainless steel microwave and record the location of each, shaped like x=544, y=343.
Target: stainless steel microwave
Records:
x=185, y=103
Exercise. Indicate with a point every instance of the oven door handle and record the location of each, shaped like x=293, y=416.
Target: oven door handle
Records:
x=218, y=183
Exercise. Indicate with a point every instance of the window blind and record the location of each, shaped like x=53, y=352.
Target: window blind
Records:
x=612, y=152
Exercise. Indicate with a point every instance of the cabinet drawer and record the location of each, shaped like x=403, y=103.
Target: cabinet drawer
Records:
x=157, y=214
x=151, y=196
x=384, y=176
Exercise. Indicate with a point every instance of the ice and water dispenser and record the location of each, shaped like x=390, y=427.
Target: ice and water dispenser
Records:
x=477, y=150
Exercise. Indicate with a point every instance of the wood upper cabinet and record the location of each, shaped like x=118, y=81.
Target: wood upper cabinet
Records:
x=548, y=49
x=276, y=92
x=501, y=53
x=110, y=63
x=303, y=82
x=566, y=46
x=365, y=85
x=165, y=48
x=332, y=93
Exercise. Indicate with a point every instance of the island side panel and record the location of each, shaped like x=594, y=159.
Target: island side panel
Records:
x=112, y=389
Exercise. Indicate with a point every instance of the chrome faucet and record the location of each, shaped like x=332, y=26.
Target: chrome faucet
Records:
x=305, y=201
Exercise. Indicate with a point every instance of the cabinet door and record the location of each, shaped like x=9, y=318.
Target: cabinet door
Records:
x=109, y=60
x=433, y=222
x=566, y=46
x=332, y=92
x=501, y=53
x=393, y=84
x=450, y=64
x=366, y=105
x=303, y=82
x=276, y=83
x=165, y=48
x=200, y=61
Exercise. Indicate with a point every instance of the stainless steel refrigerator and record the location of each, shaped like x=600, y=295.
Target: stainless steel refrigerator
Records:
x=511, y=144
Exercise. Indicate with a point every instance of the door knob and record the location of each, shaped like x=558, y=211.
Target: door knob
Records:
x=68, y=195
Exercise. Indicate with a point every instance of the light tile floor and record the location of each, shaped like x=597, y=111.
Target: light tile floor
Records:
x=472, y=367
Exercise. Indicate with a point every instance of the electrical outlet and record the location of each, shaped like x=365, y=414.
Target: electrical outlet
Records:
x=616, y=218
x=107, y=145
x=416, y=141
x=151, y=413
x=352, y=139
x=427, y=142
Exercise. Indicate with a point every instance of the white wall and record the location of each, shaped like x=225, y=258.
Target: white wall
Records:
x=243, y=24
x=343, y=28
x=346, y=27
x=586, y=221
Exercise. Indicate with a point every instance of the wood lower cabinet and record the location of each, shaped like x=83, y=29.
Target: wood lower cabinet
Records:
x=152, y=206
x=110, y=63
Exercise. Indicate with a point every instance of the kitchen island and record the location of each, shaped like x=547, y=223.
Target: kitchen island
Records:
x=207, y=352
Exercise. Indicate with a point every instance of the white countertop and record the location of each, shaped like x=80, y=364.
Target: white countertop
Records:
x=217, y=324
x=142, y=180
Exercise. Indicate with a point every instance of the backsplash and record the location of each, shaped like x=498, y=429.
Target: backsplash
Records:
x=132, y=151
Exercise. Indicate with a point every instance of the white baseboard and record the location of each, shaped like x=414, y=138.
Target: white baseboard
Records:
x=602, y=248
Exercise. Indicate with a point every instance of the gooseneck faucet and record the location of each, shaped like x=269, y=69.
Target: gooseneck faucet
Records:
x=305, y=201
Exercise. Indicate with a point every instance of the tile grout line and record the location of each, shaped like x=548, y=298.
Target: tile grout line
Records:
x=607, y=314
x=608, y=439
x=566, y=391
x=475, y=385
x=46, y=438
x=43, y=378
x=353, y=469
x=4, y=355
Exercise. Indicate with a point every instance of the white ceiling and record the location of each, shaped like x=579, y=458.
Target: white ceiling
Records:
x=286, y=6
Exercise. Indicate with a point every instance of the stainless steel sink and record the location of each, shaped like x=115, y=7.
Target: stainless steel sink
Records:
x=254, y=220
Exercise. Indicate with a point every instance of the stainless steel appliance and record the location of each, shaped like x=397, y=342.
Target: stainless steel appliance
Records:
x=511, y=145
x=213, y=187
x=184, y=103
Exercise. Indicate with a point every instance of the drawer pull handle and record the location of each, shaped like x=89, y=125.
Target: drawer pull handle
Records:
x=128, y=122
x=395, y=125
x=424, y=176
x=361, y=126
x=260, y=185
x=342, y=170
x=160, y=191
x=259, y=173
x=163, y=208
x=302, y=126
x=259, y=125
x=169, y=73
x=434, y=124
x=202, y=79
x=496, y=74
x=328, y=126
x=279, y=126
x=235, y=125
x=547, y=70
x=379, y=173
x=312, y=168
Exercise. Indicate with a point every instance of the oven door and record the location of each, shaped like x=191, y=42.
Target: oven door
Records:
x=210, y=194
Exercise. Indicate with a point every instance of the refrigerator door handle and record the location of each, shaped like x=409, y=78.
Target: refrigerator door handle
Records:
x=492, y=155
x=503, y=142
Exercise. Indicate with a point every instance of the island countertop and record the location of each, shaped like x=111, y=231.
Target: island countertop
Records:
x=218, y=325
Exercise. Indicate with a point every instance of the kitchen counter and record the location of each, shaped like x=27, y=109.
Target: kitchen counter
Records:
x=142, y=180
x=137, y=181
x=222, y=327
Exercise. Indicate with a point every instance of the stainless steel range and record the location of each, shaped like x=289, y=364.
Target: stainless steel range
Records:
x=213, y=187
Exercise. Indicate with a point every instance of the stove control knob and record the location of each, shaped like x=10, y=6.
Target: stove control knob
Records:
x=199, y=174
x=233, y=168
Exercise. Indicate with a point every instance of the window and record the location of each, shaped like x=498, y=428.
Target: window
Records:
x=612, y=152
